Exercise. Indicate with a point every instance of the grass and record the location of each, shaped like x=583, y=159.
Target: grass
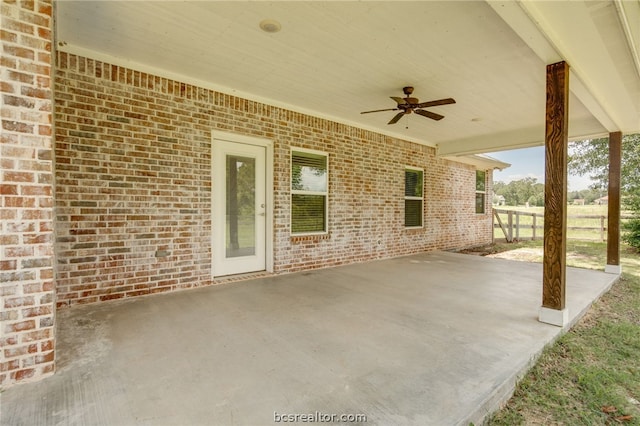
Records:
x=591, y=375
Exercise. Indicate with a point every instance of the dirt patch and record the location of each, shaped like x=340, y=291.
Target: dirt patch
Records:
x=524, y=254
x=480, y=251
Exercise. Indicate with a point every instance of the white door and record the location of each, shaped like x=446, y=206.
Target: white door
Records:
x=239, y=213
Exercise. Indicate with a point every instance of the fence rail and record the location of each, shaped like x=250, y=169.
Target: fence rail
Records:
x=519, y=225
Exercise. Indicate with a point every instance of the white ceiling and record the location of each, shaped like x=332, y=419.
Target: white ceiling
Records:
x=335, y=59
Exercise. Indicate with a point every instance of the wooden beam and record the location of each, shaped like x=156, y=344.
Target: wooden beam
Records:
x=555, y=200
x=613, y=221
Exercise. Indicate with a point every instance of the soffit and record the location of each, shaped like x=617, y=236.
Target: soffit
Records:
x=336, y=59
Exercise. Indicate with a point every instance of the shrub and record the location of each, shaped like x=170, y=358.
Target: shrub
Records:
x=632, y=234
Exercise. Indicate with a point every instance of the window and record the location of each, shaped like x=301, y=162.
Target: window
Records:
x=413, y=197
x=309, y=192
x=480, y=191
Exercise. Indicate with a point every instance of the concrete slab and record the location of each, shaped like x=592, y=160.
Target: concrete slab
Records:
x=431, y=339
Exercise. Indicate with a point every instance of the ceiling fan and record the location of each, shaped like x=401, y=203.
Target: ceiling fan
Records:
x=408, y=105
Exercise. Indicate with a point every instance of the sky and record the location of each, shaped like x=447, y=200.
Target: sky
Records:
x=529, y=162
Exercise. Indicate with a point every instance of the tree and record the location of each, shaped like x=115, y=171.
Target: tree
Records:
x=588, y=195
x=519, y=192
x=591, y=157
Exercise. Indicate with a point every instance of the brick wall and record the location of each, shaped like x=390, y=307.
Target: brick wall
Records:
x=26, y=175
x=133, y=185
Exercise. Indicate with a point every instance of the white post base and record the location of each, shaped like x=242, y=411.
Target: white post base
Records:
x=613, y=269
x=554, y=316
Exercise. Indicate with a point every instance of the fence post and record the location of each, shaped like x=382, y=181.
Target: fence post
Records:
x=601, y=228
x=504, y=231
x=517, y=226
x=533, y=237
x=510, y=224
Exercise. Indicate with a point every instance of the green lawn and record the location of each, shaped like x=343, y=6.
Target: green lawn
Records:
x=591, y=375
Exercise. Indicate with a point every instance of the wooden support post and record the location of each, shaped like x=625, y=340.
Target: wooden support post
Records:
x=613, y=222
x=554, y=266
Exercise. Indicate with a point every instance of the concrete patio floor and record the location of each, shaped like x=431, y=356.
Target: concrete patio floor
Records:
x=430, y=339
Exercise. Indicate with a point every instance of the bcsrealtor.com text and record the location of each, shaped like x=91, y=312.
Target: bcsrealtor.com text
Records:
x=318, y=417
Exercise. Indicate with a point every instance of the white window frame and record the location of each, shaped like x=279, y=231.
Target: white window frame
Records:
x=484, y=204
x=303, y=192
x=404, y=189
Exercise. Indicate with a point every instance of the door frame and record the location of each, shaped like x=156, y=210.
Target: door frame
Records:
x=220, y=136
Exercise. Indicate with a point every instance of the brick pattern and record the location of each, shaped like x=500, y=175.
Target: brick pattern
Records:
x=27, y=293
x=133, y=175
x=133, y=185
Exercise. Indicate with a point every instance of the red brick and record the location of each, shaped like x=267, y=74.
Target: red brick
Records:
x=32, y=288
x=47, y=346
x=32, y=336
x=10, y=176
x=20, y=326
x=45, y=9
x=47, y=369
x=36, y=19
x=15, y=352
x=48, y=357
x=33, y=68
x=19, y=52
x=8, y=189
x=21, y=77
x=138, y=128
x=17, y=126
x=7, y=265
x=9, y=365
x=35, y=93
x=27, y=4
x=36, y=312
x=19, y=251
x=19, y=202
x=8, y=36
x=24, y=374
x=10, y=24
x=7, y=87
x=20, y=227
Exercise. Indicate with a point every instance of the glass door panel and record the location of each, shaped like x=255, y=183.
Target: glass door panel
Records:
x=241, y=210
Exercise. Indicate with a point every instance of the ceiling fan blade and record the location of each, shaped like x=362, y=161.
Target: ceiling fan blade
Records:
x=379, y=110
x=446, y=101
x=400, y=101
x=429, y=114
x=395, y=119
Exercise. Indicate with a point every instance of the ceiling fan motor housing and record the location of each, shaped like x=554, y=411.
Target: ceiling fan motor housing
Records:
x=409, y=104
x=408, y=90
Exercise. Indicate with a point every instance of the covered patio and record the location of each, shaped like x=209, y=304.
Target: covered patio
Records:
x=430, y=339
x=121, y=121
